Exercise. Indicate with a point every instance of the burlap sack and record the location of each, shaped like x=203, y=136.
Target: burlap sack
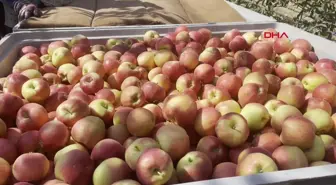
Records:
x=127, y=12
x=78, y=13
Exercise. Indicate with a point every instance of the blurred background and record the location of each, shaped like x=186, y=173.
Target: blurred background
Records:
x=315, y=16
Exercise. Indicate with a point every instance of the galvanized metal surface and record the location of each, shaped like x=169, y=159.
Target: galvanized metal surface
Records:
x=10, y=45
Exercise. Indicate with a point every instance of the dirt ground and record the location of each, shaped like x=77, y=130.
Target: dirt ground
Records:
x=317, y=17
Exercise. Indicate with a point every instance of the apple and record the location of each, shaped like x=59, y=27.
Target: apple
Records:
x=14, y=83
x=210, y=55
x=228, y=37
x=318, y=103
x=150, y=36
x=160, y=169
x=328, y=141
x=164, y=44
x=228, y=106
x=60, y=56
x=182, y=36
x=273, y=105
x=214, y=42
x=32, y=56
x=91, y=83
x=274, y=83
x=298, y=131
x=153, y=92
x=250, y=37
x=252, y=93
x=88, y=131
x=189, y=59
x=263, y=66
x=321, y=119
x=232, y=129
x=213, y=148
x=243, y=59
x=302, y=43
x=291, y=81
x=29, y=49
x=281, y=114
x=48, y=67
x=215, y=95
x=230, y=82
x=24, y=64
x=312, y=80
x=268, y=141
x=304, y=67
x=317, y=151
x=256, y=163
x=292, y=95
x=282, y=45
x=206, y=121
x=93, y=67
x=103, y=109
x=24, y=171
x=72, y=110
x=223, y=170
x=180, y=109
x=257, y=78
x=132, y=96
x=174, y=140
x=326, y=92
x=140, y=122
x=300, y=53
x=173, y=69
x=251, y=150
x=330, y=75
x=194, y=166
x=156, y=111
x=256, y=115
x=35, y=90
x=324, y=63
x=107, y=148
x=223, y=66
x=290, y=157
x=262, y=49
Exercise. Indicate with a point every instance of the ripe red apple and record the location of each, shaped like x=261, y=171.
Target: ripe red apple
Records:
x=205, y=73
x=29, y=49
x=302, y=43
x=326, y=92
x=230, y=82
x=173, y=69
x=242, y=72
x=14, y=83
x=194, y=166
x=268, y=141
x=174, y=140
x=54, y=100
x=318, y=103
x=292, y=95
x=281, y=114
x=238, y=43
x=206, y=121
x=282, y=45
x=31, y=116
x=262, y=49
x=232, y=129
x=229, y=36
x=72, y=110
x=243, y=59
x=252, y=93
x=225, y=169
x=181, y=115
x=153, y=92
x=274, y=83
x=210, y=55
x=213, y=148
x=132, y=96
x=256, y=163
x=196, y=46
x=215, y=42
x=154, y=167
x=290, y=157
x=140, y=122
x=189, y=59
x=91, y=83
x=88, y=131
x=24, y=171
x=206, y=34
x=298, y=131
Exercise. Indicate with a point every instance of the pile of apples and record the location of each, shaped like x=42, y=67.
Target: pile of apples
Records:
x=183, y=107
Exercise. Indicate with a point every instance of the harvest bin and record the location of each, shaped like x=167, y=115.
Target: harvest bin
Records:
x=321, y=175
